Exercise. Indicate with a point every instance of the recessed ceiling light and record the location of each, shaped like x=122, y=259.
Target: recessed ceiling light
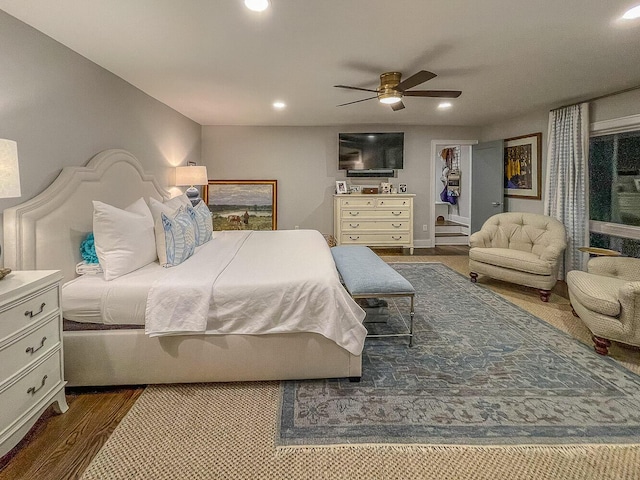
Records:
x=444, y=105
x=632, y=13
x=257, y=5
x=279, y=105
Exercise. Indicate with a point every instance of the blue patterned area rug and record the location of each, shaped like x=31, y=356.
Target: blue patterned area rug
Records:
x=482, y=371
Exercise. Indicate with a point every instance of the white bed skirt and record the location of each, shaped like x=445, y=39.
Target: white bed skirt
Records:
x=129, y=357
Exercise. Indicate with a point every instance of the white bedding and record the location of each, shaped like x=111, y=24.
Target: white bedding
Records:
x=257, y=283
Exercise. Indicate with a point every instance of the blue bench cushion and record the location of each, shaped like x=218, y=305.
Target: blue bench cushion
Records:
x=364, y=272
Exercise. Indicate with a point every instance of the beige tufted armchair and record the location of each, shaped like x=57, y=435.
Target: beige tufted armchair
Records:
x=522, y=248
x=607, y=299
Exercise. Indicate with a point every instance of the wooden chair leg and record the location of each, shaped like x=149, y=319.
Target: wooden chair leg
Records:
x=601, y=345
x=544, y=295
x=474, y=277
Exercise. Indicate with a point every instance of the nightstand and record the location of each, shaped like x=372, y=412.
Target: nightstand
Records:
x=31, y=363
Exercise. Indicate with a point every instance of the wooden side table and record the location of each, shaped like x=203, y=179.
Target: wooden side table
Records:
x=599, y=252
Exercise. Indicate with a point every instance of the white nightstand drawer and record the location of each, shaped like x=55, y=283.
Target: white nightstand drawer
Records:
x=28, y=311
x=18, y=354
x=18, y=396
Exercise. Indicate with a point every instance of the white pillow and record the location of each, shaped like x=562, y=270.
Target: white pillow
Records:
x=169, y=207
x=175, y=237
x=203, y=222
x=124, y=239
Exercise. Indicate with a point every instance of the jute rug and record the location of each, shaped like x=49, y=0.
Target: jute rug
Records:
x=481, y=371
x=227, y=431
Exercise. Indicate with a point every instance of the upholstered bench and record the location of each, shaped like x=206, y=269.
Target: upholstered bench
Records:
x=365, y=275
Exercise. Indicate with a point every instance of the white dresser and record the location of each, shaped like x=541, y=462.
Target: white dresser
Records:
x=31, y=363
x=374, y=220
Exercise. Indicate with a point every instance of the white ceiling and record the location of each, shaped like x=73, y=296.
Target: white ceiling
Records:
x=221, y=64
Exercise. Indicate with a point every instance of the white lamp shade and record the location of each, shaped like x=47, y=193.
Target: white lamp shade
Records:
x=188, y=176
x=9, y=170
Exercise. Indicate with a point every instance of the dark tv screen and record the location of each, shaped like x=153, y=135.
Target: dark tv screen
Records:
x=370, y=151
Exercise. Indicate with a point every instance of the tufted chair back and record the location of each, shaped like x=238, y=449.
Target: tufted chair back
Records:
x=527, y=232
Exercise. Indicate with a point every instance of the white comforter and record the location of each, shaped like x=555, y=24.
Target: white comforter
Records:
x=256, y=283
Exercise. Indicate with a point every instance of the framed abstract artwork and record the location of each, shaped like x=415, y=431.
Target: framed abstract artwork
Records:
x=523, y=166
x=242, y=204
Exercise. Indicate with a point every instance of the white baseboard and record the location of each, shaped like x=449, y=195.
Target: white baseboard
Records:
x=422, y=243
x=459, y=219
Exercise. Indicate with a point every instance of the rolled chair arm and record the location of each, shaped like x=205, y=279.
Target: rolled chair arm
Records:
x=629, y=297
x=552, y=253
x=481, y=238
x=619, y=267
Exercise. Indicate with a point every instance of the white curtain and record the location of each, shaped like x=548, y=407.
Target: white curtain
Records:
x=567, y=193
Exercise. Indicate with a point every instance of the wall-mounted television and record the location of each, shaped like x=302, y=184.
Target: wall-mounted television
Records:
x=371, y=154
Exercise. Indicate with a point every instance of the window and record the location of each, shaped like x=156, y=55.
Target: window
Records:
x=614, y=185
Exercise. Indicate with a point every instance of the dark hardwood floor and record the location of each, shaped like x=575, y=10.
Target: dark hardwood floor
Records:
x=62, y=446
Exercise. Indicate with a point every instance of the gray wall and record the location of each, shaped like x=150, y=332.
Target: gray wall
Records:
x=605, y=109
x=62, y=109
x=304, y=160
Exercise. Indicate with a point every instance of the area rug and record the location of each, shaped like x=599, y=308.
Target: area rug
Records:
x=482, y=371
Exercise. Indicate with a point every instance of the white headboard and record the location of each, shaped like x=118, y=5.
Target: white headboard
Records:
x=45, y=232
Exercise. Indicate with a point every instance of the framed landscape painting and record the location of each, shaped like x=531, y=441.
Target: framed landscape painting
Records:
x=242, y=204
x=523, y=166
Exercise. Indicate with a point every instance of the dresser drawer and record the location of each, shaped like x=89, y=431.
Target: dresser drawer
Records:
x=18, y=354
x=19, y=396
x=357, y=202
x=368, y=225
x=393, y=213
x=30, y=309
x=393, y=202
x=374, y=239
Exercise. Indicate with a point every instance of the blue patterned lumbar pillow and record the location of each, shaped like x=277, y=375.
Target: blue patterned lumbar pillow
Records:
x=88, y=249
x=175, y=238
x=201, y=216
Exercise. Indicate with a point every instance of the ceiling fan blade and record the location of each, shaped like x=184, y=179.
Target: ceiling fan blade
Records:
x=433, y=93
x=356, y=88
x=357, y=101
x=397, y=106
x=416, y=79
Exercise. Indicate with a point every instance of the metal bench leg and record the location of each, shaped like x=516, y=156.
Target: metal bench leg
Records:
x=411, y=328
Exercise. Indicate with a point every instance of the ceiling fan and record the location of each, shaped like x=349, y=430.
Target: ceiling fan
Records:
x=391, y=89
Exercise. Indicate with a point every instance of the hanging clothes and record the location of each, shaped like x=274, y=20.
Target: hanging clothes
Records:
x=450, y=177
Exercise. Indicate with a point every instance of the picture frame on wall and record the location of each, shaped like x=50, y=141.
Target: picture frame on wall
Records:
x=242, y=204
x=523, y=166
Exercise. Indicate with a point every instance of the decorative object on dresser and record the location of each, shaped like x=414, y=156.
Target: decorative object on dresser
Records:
x=31, y=363
x=190, y=176
x=370, y=190
x=374, y=220
x=341, y=187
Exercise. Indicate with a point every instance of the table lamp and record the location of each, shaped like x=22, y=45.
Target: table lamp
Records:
x=9, y=178
x=191, y=176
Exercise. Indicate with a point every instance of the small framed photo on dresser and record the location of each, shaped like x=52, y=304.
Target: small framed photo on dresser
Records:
x=341, y=187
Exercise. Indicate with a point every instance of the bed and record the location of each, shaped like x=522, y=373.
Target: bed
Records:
x=46, y=231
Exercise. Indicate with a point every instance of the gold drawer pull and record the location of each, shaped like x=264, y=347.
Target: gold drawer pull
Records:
x=396, y=226
x=396, y=238
x=356, y=238
x=354, y=213
x=33, y=350
x=381, y=202
x=34, y=390
x=354, y=225
x=30, y=314
x=396, y=213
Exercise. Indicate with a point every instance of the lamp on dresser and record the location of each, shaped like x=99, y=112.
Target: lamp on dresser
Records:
x=189, y=177
x=9, y=177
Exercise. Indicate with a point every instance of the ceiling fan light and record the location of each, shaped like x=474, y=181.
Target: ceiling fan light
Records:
x=390, y=100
